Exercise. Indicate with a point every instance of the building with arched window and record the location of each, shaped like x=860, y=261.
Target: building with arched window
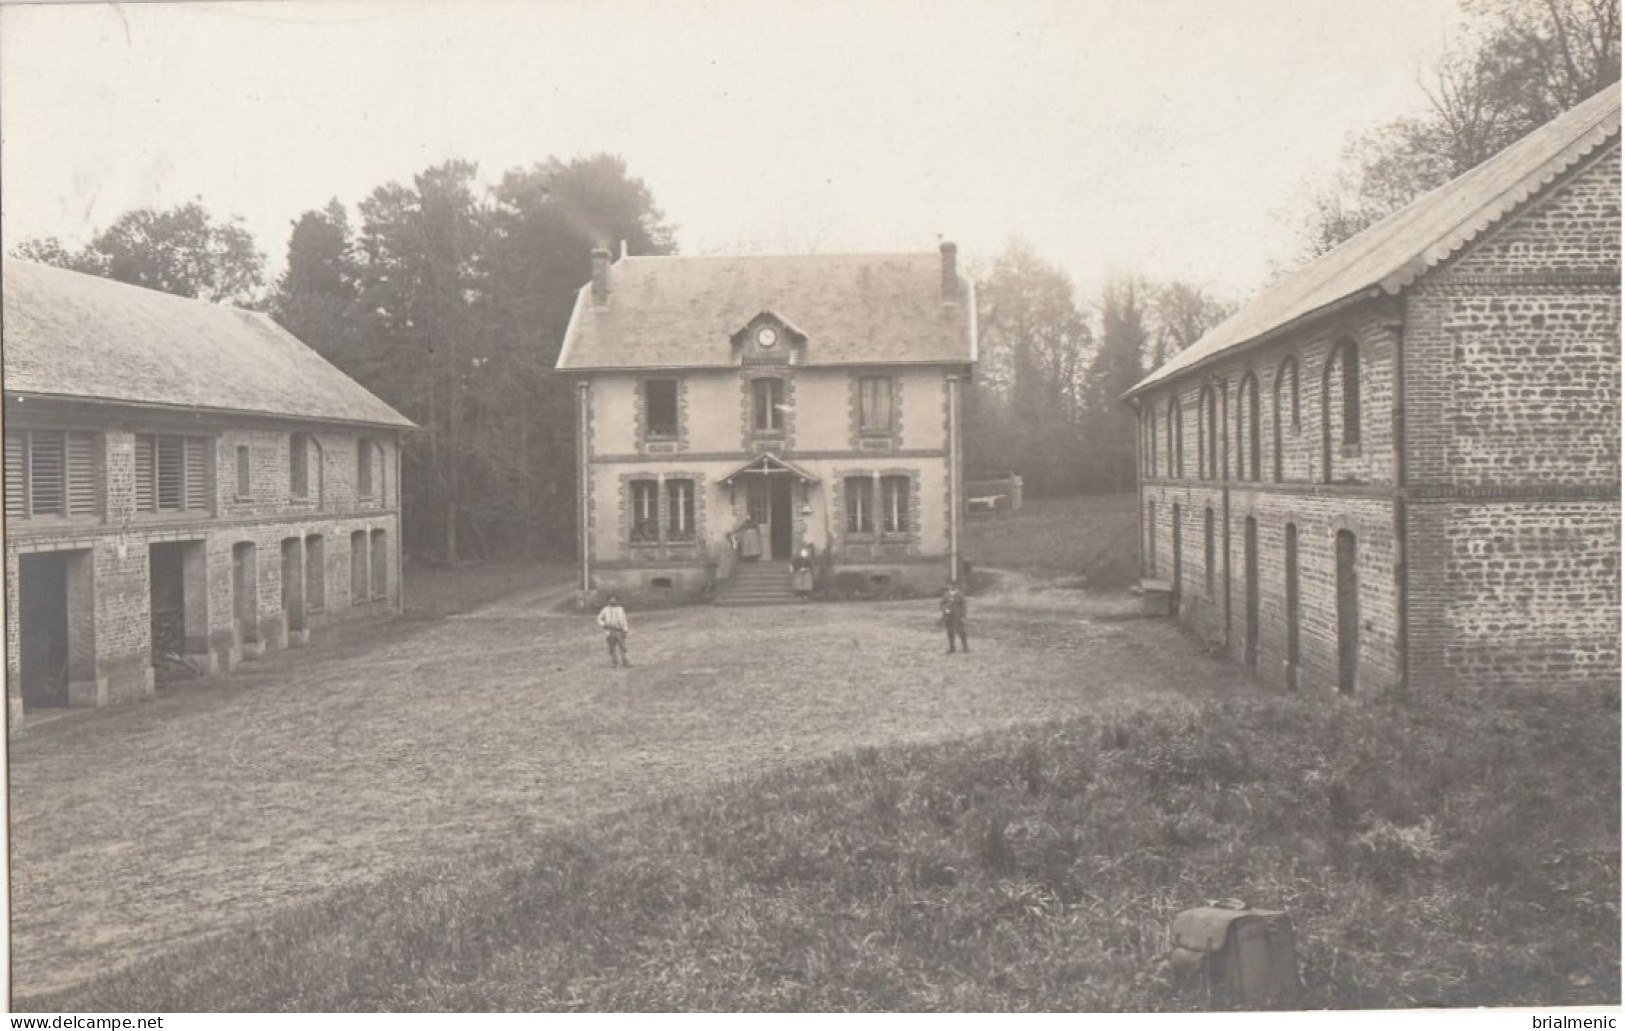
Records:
x=819, y=397
x=187, y=485
x=1407, y=452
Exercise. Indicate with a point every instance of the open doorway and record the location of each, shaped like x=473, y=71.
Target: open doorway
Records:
x=55, y=610
x=177, y=585
x=293, y=587
x=769, y=501
x=1348, y=613
x=1250, y=560
x=245, y=598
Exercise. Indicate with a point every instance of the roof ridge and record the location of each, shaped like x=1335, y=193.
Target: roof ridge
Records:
x=1393, y=252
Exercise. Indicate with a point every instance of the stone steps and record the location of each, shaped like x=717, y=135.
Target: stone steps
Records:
x=757, y=583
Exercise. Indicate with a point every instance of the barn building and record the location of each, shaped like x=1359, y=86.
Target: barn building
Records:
x=818, y=395
x=1399, y=466
x=184, y=484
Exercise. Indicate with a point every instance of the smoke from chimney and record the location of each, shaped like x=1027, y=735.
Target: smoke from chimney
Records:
x=600, y=276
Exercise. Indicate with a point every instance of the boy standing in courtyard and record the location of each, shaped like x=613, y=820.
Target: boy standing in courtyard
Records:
x=612, y=620
x=953, y=615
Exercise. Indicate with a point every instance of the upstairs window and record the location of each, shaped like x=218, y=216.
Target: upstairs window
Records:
x=860, y=504
x=875, y=405
x=245, y=477
x=679, y=510
x=767, y=405
x=645, y=501
x=299, y=465
x=1248, y=447
x=172, y=473
x=1350, y=356
x=51, y=472
x=1151, y=443
x=660, y=407
x=1176, y=439
x=894, y=504
x=363, y=467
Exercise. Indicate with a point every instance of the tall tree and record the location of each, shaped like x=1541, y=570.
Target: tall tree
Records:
x=1117, y=366
x=181, y=251
x=1035, y=344
x=317, y=297
x=1179, y=314
x=1520, y=63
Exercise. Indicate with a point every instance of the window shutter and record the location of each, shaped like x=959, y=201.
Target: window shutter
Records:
x=16, y=476
x=46, y=473
x=82, y=494
x=145, y=481
x=197, y=473
x=171, y=474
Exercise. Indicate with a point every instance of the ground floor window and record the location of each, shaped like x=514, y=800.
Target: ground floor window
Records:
x=679, y=510
x=645, y=512
x=894, y=504
x=860, y=504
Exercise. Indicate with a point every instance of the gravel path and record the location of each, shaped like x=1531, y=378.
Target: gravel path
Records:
x=140, y=827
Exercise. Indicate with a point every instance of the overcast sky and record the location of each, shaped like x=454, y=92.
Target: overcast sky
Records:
x=1163, y=137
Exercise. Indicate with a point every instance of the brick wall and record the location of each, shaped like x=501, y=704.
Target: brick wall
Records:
x=1512, y=445
x=1508, y=504
x=114, y=627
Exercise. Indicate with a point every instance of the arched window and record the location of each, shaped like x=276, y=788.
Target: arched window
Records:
x=1148, y=456
x=1248, y=447
x=1209, y=452
x=1341, y=396
x=1351, y=393
x=1285, y=416
x=1206, y=434
x=1177, y=416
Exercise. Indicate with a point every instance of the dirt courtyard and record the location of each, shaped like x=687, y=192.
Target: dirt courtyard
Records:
x=140, y=827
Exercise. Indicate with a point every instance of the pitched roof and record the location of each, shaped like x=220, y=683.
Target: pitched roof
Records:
x=71, y=335
x=678, y=312
x=1393, y=253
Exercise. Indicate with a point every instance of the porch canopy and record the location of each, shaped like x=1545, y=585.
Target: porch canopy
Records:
x=769, y=465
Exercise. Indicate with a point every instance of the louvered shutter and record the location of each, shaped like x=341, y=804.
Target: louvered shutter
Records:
x=146, y=497
x=171, y=474
x=197, y=473
x=46, y=473
x=82, y=494
x=16, y=476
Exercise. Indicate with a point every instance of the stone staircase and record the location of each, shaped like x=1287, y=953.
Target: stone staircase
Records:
x=767, y=582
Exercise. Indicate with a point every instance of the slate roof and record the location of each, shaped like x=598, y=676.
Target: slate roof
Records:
x=1393, y=253
x=71, y=335
x=680, y=312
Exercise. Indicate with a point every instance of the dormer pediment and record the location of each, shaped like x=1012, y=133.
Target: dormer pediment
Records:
x=769, y=339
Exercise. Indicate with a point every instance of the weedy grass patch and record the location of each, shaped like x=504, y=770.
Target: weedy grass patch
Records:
x=1447, y=849
x=1090, y=541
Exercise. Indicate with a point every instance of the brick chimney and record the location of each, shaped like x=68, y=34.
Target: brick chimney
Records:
x=600, y=276
x=950, y=271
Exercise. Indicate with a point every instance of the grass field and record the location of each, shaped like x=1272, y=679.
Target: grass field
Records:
x=1090, y=541
x=1457, y=851
x=804, y=808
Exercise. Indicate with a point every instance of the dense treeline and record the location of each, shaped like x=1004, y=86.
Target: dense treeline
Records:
x=1046, y=403
x=447, y=299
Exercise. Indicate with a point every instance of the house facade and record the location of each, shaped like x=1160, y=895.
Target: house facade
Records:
x=185, y=484
x=1399, y=466
x=818, y=396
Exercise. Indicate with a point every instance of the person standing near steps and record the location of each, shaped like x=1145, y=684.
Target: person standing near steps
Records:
x=612, y=621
